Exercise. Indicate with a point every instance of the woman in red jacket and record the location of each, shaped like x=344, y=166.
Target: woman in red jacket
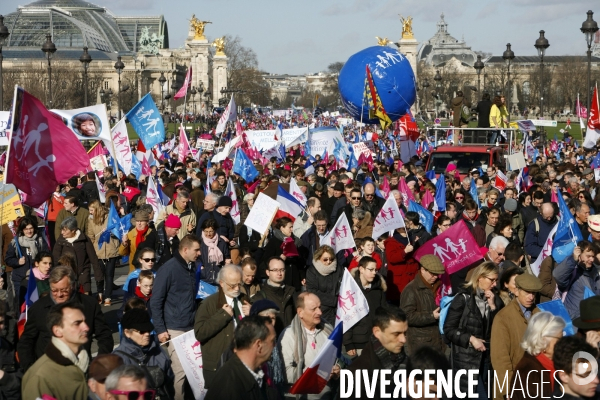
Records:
x=402, y=267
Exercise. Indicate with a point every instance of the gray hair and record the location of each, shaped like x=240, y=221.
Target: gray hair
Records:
x=59, y=272
x=498, y=241
x=467, y=180
x=228, y=268
x=574, y=180
x=134, y=372
x=481, y=190
x=396, y=192
x=541, y=326
x=70, y=223
x=359, y=213
x=213, y=196
x=196, y=183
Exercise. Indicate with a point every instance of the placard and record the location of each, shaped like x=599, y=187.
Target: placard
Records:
x=516, y=161
x=11, y=207
x=99, y=162
x=3, y=127
x=361, y=148
x=205, y=144
x=262, y=213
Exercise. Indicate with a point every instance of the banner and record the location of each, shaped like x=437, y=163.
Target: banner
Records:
x=11, y=208
x=153, y=197
x=229, y=147
x=205, y=145
x=189, y=352
x=122, y=149
x=87, y=123
x=321, y=139
x=545, y=253
x=186, y=85
x=455, y=247
x=389, y=218
x=361, y=148
x=297, y=192
x=262, y=213
x=352, y=303
x=235, y=207
x=184, y=146
x=4, y=128
x=98, y=163
x=264, y=140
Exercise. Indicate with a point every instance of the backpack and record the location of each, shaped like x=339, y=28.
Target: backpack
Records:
x=444, y=307
x=465, y=113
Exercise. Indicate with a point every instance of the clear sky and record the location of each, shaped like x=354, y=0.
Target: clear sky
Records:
x=298, y=37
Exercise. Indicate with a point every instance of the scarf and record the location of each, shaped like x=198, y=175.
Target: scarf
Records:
x=214, y=254
x=469, y=220
x=388, y=359
x=325, y=269
x=300, y=345
x=74, y=238
x=140, y=236
x=39, y=276
x=29, y=243
x=82, y=360
x=548, y=365
x=138, y=293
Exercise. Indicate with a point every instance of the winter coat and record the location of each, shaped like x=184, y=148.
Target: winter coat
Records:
x=483, y=113
x=12, y=257
x=505, y=343
x=575, y=278
x=359, y=335
x=173, y=300
x=547, y=278
x=418, y=302
x=82, y=215
x=535, y=239
x=464, y=356
x=248, y=240
x=108, y=250
x=162, y=246
x=355, y=261
x=476, y=230
x=285, y=298
x=536, y=382
x=131, y=247
x=213, y=328
x=226, y=226
x=36, y=335
x=456, y=105
x=518, y=226
x=326, y=287
x=90, y=192
x=210, y=270
x=419, y=236
x=85, y=258
x=402, y=268
x=187, y=217
x=240, y=384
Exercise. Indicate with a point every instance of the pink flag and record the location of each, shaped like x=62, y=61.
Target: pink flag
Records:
x=186, y=85
x=184, y=145
x=43, y=151
x=385, y=187
x=98, y=150
x=427, y=199
x=553, y=197
x=145, y=166
x=406, y=193
x=238, y=128
x=456, y=248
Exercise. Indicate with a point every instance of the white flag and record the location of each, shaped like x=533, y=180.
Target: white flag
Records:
x=122, y=147
x=340, y=236
x=545, y=253
x=388, y=219
x=153, y=198
x=184, y=145
x=235, y=207
x=190, y=356
x=352, y=303
x=101, y=190
x=229, y=114
x=297, y=192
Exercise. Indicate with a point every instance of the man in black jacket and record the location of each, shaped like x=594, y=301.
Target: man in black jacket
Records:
x=385, y=349
x=242, y=377
x=483, y=111
x=36, y=336
x=275, y=290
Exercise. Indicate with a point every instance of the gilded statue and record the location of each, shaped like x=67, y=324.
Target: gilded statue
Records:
x=382, y=42
x=219, y=45
x=407, y=32
x=198, y=27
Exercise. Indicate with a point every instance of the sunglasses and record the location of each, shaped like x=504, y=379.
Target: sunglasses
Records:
x=135, y=394
x=149, y=259
x=355, y=198
x=459, y=197
x=327, y=259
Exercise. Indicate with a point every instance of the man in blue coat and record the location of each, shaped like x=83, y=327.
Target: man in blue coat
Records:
x=538, y=231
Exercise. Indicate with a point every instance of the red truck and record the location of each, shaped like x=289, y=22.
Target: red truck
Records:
x=466, y=158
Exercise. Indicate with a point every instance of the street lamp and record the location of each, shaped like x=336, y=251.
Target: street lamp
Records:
x=508, y=56
x=161, y=81
x=589, y=28
x=438, y=85
x=425, y=85
x=49, y=48
x=105, y=97
x=174, y=88
x=119, y=66
x=3, y=36
x=85, y=59
x=541, y=44
x=479, y=65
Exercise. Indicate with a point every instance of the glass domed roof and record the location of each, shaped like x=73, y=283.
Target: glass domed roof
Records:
x=78, y=23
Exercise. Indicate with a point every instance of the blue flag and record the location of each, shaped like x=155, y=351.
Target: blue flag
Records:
x=430, y=175
x=425, y=217
x=111, y=226
x=147, y=122
x=587, y=293
x=568, y=233
x=136, y=167
x=243, y=166
x=352, y=162
x=596, y=162
x=377, y=192
x=440, y=194
x=557, y=308
x=473, y=193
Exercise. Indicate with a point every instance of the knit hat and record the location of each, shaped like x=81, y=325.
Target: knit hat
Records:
x=172, y=221
x=510, y=205
x=262, y=305
x=432, y=264
x=225, y=201
x=103, y=365
x=137, y=319
x=142, y=215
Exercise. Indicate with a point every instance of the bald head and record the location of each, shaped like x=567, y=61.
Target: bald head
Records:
x=547, y=211
x=369, y=188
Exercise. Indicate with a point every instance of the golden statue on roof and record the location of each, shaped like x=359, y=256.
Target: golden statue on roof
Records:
x=382, y=42
x=198, y=27
x=219, y=45
x=407, y=32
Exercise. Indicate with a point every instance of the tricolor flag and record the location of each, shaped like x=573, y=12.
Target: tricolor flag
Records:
x=315, y=377
x=289, y=204
x=545, y=253
x=500, y=181
x=297, y=192
x=593, y=123
x=31, y=296
x=439, y=202
x=235, y=207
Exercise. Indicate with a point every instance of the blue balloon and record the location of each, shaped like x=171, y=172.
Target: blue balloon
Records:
x=392, y=75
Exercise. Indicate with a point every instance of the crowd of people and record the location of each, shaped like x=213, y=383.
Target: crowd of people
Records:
x=277, y=293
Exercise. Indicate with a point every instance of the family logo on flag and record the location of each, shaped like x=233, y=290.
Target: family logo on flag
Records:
x=456, y=248
x=545, y=253
x=120, y=140
x=147, y=122
x=352, y=303
x=340, y=236
x=297, y=192
x=388, y=219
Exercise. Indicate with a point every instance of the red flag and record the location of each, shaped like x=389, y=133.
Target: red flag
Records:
x=43, y=151
x=456, y=248
x=186, y=85
x=594, y=119
x=385, y=187
x=408, y=127
x=145, y=166
x=97, y=150
x=184, y=146
x=427, y=199
x=141, y=147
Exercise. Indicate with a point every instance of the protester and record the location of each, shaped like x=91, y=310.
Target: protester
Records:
x=214, y=251
x=128, y=381
x=132, y=240
x=569, y=371
x=41, y=273
x=99, y=370
x=323, y=278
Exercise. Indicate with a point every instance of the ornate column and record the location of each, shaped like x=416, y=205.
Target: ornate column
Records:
x=407, y=45
x=199, y=46
x=219, y=70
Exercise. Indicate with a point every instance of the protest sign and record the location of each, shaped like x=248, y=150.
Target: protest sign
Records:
x=11, y=207
x=361, y=148
x=265, y=139
x=4, y=127
x=205, y=144
x=324, y=138
x=262, y=213
x=98, y=163
x=88, y=123
x=189, y=352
